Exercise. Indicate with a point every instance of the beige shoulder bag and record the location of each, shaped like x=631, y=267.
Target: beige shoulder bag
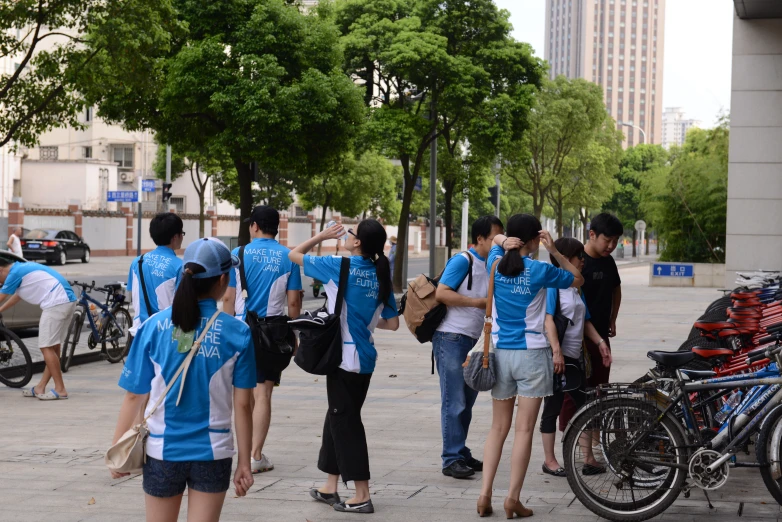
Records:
x=128, y=454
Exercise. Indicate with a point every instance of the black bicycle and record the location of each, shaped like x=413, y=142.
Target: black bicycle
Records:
x=16, y=365
x=110, y=326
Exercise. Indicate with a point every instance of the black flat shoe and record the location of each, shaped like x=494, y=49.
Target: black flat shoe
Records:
x=361, y=507
x=328, y=498
x=475, y=464
x=559, y=472
x=589, y=470
x=458, y=470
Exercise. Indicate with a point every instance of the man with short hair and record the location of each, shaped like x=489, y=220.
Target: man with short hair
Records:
x=455, y=337
x=14, y=244
x=272, y=280
x=42, y=286
x=161, y=269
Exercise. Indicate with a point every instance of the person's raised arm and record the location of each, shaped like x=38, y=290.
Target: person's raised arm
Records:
x=564, y=263
x=297, y=254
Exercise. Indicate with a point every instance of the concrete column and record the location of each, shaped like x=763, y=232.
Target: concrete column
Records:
x=15, y=215
x=212, y=213
x=127, y=208
x=424, y=237
x=754, y=238
x=313, y=225
x=283, y=231
x=75, y=209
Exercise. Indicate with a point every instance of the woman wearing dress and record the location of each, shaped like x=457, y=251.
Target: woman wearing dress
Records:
x=524, y=362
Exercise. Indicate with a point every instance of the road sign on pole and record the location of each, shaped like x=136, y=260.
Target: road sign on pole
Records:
x=672, y=270
x=148, y=185
x=122, y=196
x=640, y=225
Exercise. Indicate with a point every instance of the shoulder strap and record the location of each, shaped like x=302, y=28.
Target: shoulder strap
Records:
x=469, y=272
x=183, y=368
x=143, y=284
x=243, y=276
x=488, y=320
x=344, y=269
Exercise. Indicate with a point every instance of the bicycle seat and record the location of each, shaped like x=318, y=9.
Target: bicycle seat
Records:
x=711, y=352
x=713, y=326
x=699, y=374
x=743, y=295
x=671, y=359
x=113, y=286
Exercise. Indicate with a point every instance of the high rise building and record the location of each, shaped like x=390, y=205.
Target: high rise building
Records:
x=619, y=45
x=675, y=126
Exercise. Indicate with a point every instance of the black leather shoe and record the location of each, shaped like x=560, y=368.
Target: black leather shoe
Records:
x=475, y=464
x=458, y=470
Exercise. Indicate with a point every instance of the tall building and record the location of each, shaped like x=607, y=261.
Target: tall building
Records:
x=618, y=44
x=675, y=126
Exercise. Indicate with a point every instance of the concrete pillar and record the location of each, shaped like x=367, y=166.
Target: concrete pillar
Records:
x=283, y=231
x=127, y=208
x=15, y=215
x=212, y=213
x=75, y=209
x=313, y=225
x=424, y=237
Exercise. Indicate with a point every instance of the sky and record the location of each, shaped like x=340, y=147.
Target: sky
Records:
x=698, y=51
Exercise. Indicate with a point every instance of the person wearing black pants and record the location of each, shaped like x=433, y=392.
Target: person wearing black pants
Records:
x=368, y=304
x=570, y=304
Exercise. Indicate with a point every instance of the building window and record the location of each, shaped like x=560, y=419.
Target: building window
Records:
x=50, y=153
x=88, y=114
x=123, y=157
x=178, y=202
x=299, y=211
x=86, y=152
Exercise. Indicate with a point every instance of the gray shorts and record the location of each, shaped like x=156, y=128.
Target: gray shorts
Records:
x=53, y=325
x=527, y=373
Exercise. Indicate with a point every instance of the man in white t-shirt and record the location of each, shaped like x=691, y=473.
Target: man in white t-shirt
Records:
x=14, y=244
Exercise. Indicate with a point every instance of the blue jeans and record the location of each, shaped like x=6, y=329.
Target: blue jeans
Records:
x=457, y=399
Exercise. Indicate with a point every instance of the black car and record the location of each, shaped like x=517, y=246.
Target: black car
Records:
x=54, y=246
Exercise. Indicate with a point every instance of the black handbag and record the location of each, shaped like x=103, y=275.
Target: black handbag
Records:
x=273, y=338
x=320, y=333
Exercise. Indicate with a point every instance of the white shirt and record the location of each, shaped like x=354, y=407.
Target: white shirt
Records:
x=465, y=320
x=573, y=307
x=16, y=245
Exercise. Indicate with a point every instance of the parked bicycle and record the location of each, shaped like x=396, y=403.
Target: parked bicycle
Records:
x=16, y=365
x=109, y=326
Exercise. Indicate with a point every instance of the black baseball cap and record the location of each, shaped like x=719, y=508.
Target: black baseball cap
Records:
x=265, y=217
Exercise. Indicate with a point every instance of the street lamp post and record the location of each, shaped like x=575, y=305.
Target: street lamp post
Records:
x=626, y=124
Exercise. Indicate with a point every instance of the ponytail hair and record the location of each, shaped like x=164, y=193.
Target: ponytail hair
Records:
x=525, y=227
x=184, y=311
x=373, y=240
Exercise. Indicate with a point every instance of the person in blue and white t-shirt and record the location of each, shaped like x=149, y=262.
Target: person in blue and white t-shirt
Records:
x=455, y=337
x=161, y=269
x=368, y=304
x=42, y=286
x=273, y=282
x=191, y=440
x=524, y=363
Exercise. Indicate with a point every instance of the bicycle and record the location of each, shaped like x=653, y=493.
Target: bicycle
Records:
x=652, y=454
x=16, y=365
x=111, y=329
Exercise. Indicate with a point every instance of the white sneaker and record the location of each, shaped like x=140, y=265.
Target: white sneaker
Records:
x=259, y=466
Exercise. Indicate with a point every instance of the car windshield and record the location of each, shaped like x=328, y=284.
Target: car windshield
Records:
x=40, y=233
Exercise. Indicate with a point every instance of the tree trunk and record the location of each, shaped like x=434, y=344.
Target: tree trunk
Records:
x=244, y=177
x=635, y=235
x=647, y=242
x=448, y=186
x=201, y=213
x=559, y=210
x=326, y=205
x=404, y=219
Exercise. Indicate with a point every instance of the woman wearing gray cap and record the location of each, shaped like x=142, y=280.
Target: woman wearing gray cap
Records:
x=191, y=441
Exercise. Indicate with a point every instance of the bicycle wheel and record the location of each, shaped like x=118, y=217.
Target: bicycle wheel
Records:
x=114, y=335
x=639, y=484
x=72, y=339
x=763, y=450
x=16, y=365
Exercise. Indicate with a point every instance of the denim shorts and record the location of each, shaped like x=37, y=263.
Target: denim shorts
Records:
x=163, y=478
x=527, y=373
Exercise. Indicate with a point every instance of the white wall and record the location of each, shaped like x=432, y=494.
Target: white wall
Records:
x=104, y=233
x=56, y=184
x=183, y=187
x=754, y=239
x=228, y=228
x=298, y=233
x=55, y=222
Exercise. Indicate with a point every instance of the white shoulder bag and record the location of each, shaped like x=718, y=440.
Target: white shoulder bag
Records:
x=129, y=453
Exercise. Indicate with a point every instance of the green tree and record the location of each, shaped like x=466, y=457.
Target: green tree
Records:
x=413, y=56
x=566, y=119
x=640, y=164
x=257, y=78
x=58, y=45
x=688, y=201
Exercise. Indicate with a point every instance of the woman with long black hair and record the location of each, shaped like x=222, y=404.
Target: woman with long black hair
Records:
x=191, y=443
x=368, y=304
x=524, y=364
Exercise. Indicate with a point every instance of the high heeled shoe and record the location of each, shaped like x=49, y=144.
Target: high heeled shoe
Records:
x=484, y=506
x=514, y=507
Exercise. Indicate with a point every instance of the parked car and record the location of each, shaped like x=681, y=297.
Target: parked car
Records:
x=54, y=246
x=22, y=314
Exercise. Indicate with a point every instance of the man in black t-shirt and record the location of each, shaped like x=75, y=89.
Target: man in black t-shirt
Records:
x=603, y=295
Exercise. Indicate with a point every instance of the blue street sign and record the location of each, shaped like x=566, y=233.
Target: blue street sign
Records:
x=148, y=185
x=672, y=270
x=122, y=196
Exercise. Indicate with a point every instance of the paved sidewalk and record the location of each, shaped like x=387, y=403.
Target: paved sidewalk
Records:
x=51, y=456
